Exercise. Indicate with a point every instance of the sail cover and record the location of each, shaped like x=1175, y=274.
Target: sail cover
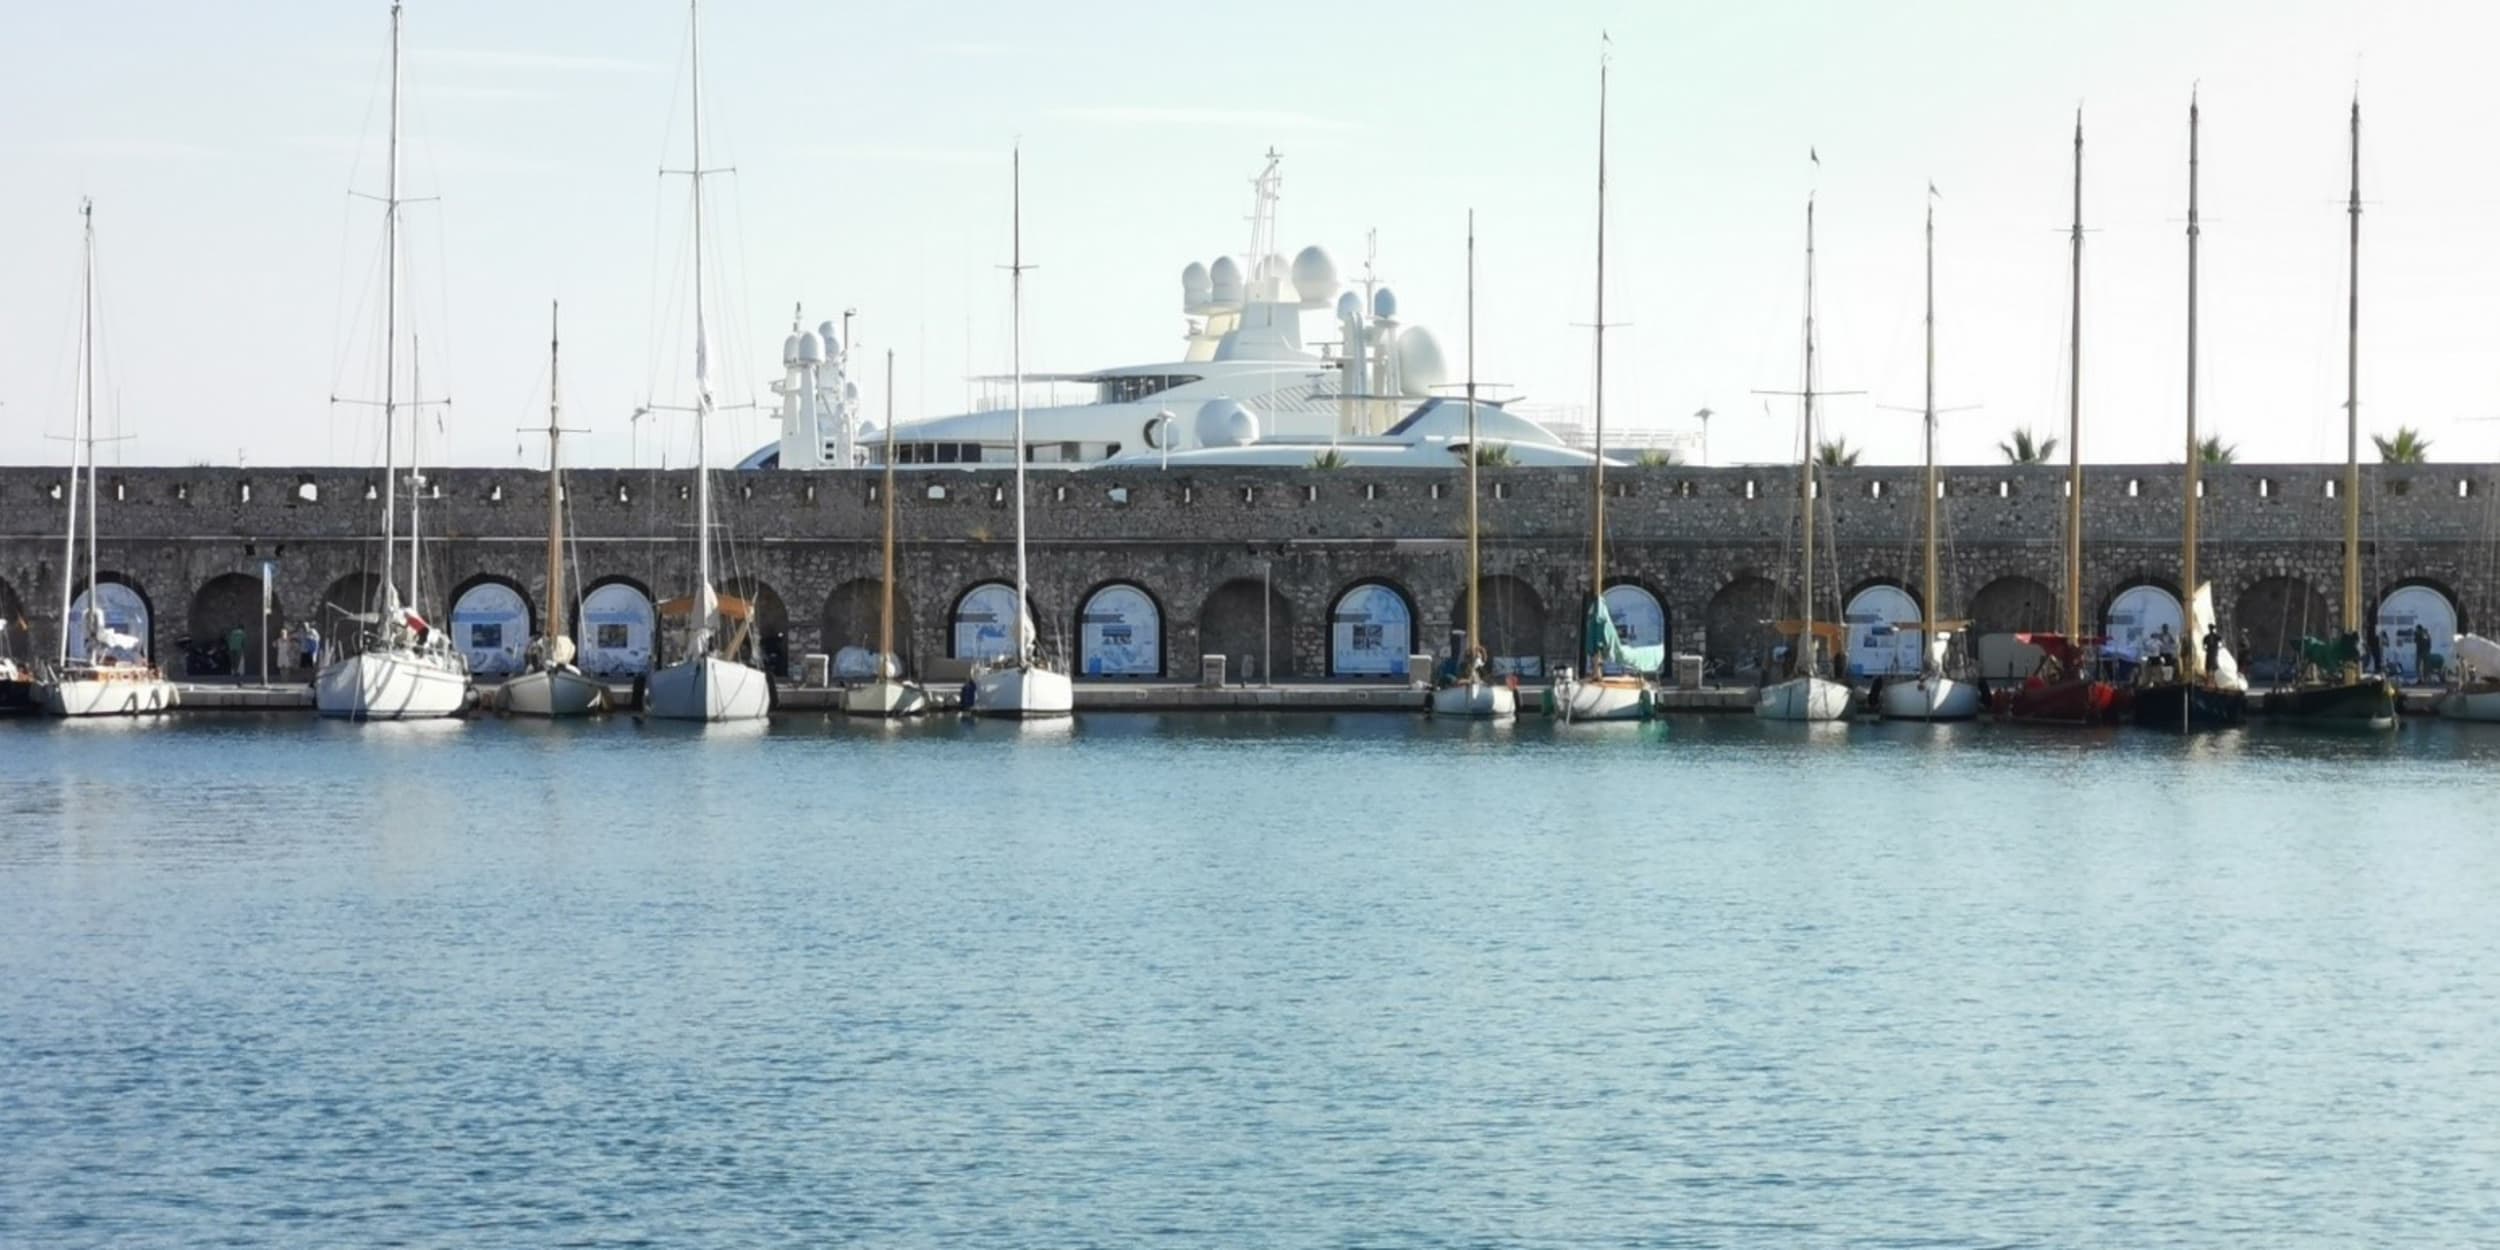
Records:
x=1601, y=640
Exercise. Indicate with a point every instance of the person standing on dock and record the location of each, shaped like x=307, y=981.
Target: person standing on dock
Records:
x=2421, y=651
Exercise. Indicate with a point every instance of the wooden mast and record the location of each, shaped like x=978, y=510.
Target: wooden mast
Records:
x=1015, y=267
x=1475, y=612
x=2074, y=412
x=885, y=609
x=1597, y=466
x=1928, y=586
x=2352, y=397
x=555, y=493
x=1802, y=659
x=2191, y=650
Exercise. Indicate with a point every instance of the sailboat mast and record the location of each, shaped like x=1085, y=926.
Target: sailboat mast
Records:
x=390, y=339
x=2351, y=398
x=82, y=437
x=555, y=488
x=1015, y=291
x=416, y=473
x=1475, y=609
x=2074, y=409
x=1928, y=587
x=1801, y=661
x=2191, y=654
x=702, y=362
x=1597, y=467
x=885, y=581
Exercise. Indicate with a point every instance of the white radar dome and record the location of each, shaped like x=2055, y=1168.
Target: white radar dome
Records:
x=1224, y=421
x=1384, y=303
x=1349, y=306
x=1314, y=276
x=850, y=393
x=831, y=340
x=1195, y=288
x=1224, y=281
x=1420, y=365
x=790, y=350
x=811, y=350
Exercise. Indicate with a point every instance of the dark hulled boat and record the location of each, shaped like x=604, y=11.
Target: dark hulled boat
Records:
x=2065, y=690
x=2369, y=703
x=2189, y=706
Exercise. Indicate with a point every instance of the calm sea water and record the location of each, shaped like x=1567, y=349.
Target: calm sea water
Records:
x=1245, y=981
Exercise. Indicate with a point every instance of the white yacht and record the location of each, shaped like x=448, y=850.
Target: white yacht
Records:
x=1250, y=388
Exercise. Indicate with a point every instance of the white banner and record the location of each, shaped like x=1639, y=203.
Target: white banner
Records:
x=491, y=625
x=124, y=613
x=985, y=623
x=614, y=634
x=1371, y=633
x=1121, y=634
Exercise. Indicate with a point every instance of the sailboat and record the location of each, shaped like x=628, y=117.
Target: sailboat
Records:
x=2067, y=688
x=2335, y=693
x=1613, y=687
x=712, y=682
x=1807, y=695
x=1465, y=685
x=890, y=693
x=405, y=669
x=553, y=686
x=2192, y=697
x=109, y=673
x=1934, y=695
x=1021, y=685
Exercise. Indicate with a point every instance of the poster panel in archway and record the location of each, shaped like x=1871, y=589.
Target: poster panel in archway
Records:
x=125, y=615
x=2137, y=618
x=985, y=623
x=1879, y=643
x=1641, y=622
x=1121, y=633
x=1372, y=633
x=491, y=626
x=613, y=638
x=2400, y=613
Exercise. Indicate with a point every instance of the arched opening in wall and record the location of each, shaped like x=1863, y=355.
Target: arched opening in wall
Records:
x=2418, y=623
x=492, y=624
x=2002, y=609
x=1371, y=631
x=1642, y=624
x=982, y=627
x=615, y=627
x=1251, y=625
x=2136, y=618
x=767, y=640
x=1736, y=628
x=343, y=612
x=851, y=614
x=1119, y=632
x=1883, y=620
x=229, y=634
x=16, y=642
x=2268, y=622
x=129, y=619
x=1513, y=621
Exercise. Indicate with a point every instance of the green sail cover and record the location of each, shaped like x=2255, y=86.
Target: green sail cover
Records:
x=2328, y=656
x=1602, y=640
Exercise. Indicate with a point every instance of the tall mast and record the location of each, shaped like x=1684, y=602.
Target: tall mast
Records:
x=885, y=610
x=1475, y=609
x=1928, y=587
x=1597, y=467
x=2351, y=398
x=81, y=437
x=1015, y=298
x=2191, y=655
x=1802, y=660
x=555, y=491
x=703, y=602
x=416, y=473
x=390, y=338
x=2074, y=411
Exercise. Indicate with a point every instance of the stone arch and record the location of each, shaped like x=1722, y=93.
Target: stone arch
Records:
x=2426, y=603
x=1371, y=629
x=16, y=642
x=339, y=615
x=1736, y=624
x=616, y=627
x=1250, y=624
x=1119, y=631
x=2270, y=618
x=491, y=621
x=127, y=609
x=768, y=632
x=1643, y=617
x=981, y=625
x=850, y=619
x=2013, y=605
x=2136, y=612
x=223, y=604
x=1874, y=613
x=1513, y=623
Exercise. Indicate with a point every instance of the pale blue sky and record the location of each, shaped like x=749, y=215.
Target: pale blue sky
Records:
x=220, y=140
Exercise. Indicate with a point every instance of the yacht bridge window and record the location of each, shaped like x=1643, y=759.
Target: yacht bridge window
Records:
x=1130, y=388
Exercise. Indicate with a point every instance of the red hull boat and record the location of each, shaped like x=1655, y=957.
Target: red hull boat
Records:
x=2062, y=690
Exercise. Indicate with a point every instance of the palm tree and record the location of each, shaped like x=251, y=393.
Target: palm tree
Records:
x=1494, y=455
x=2407, y=447
x=2024, y=449
x=1659, y=458
x=1329, y=459
x=2215, y=451
x=1836, y=454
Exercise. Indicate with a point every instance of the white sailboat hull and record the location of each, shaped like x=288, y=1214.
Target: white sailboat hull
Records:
x=708, y=688
x=1803, y=699
x=1475, y=700
x=554, y=692
x=1604, y=700
x=1022, y=692
x=392, y=683
x=1928, y=698
x=886, y=697
x=2474, y=705
x=108, y=696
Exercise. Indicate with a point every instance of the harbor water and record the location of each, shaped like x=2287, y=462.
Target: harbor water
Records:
x=1245, y=980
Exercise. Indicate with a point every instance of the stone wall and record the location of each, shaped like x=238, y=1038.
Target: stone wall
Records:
x=1202, y=543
